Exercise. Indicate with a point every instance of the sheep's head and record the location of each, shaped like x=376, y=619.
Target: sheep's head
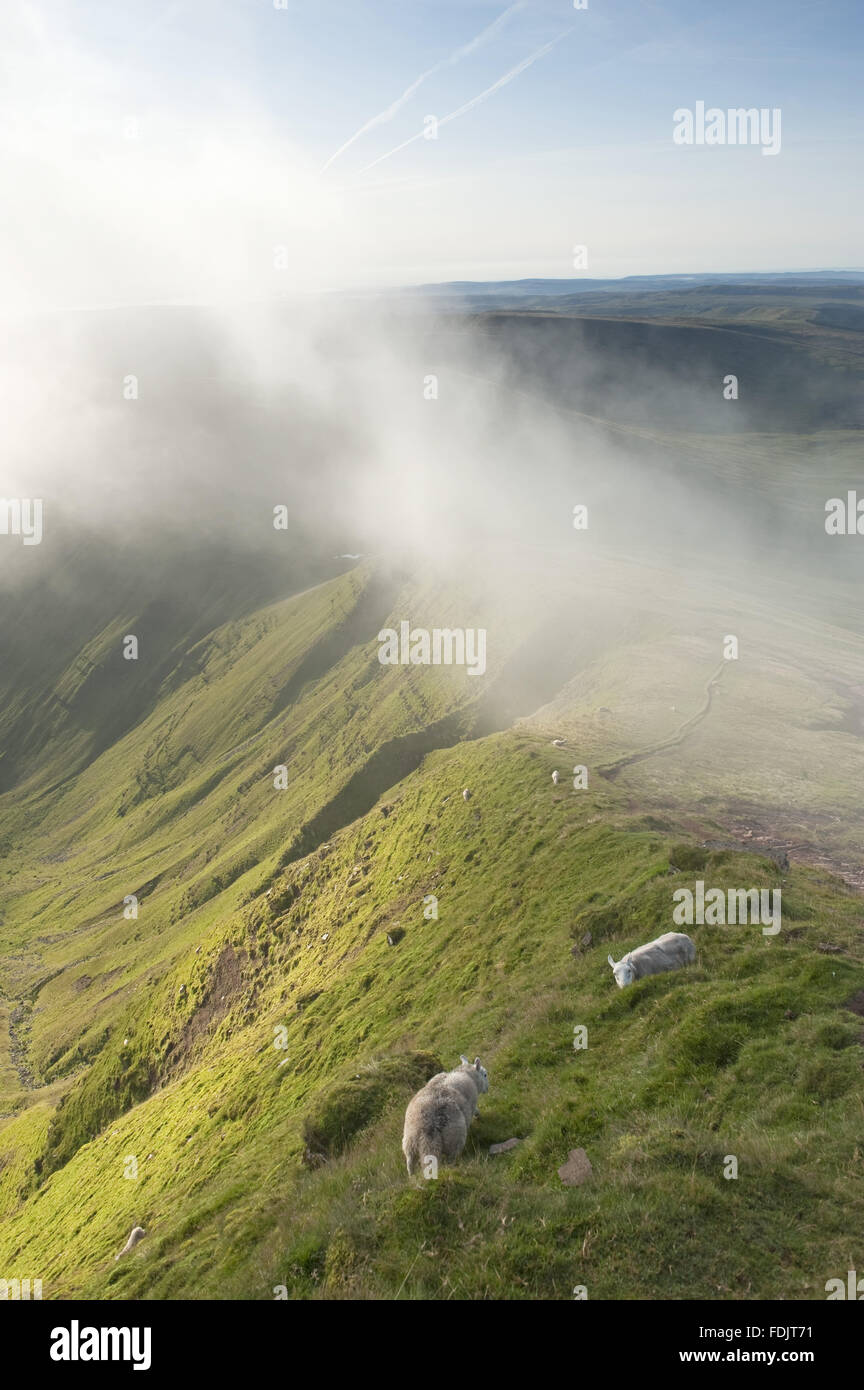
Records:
x=624, y=971
x=481, y=1075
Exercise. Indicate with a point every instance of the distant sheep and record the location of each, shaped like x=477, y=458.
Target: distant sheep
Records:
x=669, y=952
x=466, y=795
x=437, y=1118
x=138, y=1233
x=555, y=778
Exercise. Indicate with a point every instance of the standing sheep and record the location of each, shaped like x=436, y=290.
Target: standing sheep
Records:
x=668, y=952
x=555, y=778
x=437, y=1118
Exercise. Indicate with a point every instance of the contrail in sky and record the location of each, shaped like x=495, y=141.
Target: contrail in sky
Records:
x=475, y=101
x=390, y=111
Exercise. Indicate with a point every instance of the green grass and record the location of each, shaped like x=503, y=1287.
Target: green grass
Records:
x=261, y=1166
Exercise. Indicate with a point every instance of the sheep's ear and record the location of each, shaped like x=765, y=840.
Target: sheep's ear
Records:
x=464, y=1059
x=477, y=1063
x=611, y=961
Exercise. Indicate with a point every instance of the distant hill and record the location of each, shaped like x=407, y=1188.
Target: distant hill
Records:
x=777, y=282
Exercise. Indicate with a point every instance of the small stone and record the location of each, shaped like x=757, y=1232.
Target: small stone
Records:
x=505, y=1147
x=576, y=1170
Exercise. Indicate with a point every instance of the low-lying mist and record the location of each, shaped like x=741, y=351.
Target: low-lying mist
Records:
x=341, y=430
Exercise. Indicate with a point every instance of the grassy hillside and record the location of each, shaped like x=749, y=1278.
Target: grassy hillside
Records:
x=263, y=1165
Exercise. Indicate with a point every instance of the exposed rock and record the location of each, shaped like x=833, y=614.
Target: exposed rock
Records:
x=576, y=1170
x=504, y=1147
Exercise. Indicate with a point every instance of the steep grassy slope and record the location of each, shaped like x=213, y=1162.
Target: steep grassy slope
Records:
x=153, y=1038
x=754, y=1052
x=66, y=692
x=184, y=807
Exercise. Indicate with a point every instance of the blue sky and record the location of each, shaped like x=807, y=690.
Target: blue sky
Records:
x=237, y=107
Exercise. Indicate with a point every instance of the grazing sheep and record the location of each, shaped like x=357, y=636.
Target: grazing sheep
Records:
x=669, y=952
x=138, y=1233
x=437, y=1118
x=557, y=743
x=466, y=795
x=555, y=778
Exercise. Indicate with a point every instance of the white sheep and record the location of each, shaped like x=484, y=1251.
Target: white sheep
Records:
x=137, y=1233
x=669, y=952
x=555, y=778
x=437, y=1118
x=466, y=795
